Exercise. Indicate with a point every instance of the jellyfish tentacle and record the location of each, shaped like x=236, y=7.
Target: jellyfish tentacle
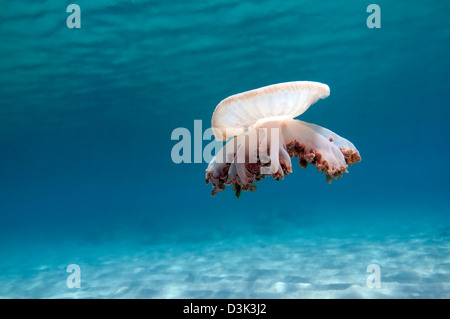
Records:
x=232, y=174
x=346, y=147
x=271, y=154
x=328, y=151
x=285, y=161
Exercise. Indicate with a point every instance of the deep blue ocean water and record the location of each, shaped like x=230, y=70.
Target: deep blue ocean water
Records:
x=86, y=175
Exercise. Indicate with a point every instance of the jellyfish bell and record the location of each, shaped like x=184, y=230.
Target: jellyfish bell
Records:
x=262, y=136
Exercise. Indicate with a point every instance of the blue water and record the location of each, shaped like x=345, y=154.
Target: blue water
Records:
x=86, y=175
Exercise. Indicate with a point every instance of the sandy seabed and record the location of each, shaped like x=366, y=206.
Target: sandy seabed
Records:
x=252, y=266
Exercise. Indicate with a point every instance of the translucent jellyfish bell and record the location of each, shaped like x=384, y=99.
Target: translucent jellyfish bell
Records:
x=263, y=136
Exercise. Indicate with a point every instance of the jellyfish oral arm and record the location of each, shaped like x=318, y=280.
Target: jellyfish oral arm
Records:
x=317, y=145
x=242, y=162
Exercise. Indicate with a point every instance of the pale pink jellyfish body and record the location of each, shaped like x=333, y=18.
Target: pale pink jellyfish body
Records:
x=263, y=137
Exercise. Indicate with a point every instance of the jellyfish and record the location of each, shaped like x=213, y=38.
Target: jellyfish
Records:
x=262, y=137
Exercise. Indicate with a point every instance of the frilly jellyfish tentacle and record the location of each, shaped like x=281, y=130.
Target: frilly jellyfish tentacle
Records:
x=328, y=154
x=285, y=160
